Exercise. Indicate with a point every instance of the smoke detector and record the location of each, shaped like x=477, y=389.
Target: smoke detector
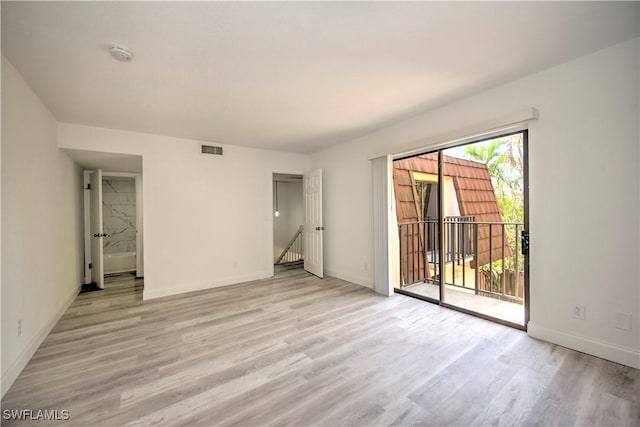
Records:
x=120, y=54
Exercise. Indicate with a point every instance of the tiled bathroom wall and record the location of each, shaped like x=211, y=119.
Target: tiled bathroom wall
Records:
x=119, y=214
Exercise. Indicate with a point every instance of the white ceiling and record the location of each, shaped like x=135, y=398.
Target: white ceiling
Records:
x=288, y=76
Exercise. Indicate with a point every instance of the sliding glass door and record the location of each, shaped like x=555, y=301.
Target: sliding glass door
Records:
x=462, y=224
x=417, y=204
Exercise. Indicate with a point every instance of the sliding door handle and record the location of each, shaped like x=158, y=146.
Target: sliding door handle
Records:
x=524, y=242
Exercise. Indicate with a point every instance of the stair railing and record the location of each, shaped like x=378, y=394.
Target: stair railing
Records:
x=294, y=251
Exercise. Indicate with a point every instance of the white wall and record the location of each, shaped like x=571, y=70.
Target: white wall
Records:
x=207, y=218
x=291, y=215
x=583, y=251
x=41, y=224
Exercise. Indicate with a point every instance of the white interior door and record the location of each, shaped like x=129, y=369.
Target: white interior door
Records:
x=97, y=269
x=313, y=228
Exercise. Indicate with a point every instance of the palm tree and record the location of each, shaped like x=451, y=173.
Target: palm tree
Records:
x=503, y=157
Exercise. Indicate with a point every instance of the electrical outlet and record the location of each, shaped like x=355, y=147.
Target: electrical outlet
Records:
x=366, y=266
x=19, y=327
x=578, y=312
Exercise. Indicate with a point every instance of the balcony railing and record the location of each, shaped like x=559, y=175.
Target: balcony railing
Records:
x=480, y=257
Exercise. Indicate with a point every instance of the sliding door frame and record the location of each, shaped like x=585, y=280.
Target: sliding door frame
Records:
x=441, y=235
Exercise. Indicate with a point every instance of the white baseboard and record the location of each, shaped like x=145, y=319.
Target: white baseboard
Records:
x=150, y=293
x=16, y=367
x=367, y=283
x=623, y=355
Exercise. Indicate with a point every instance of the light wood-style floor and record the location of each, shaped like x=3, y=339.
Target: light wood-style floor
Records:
x=298, y=351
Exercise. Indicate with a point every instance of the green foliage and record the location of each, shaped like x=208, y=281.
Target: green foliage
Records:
x=496, y=267
x=503, y=157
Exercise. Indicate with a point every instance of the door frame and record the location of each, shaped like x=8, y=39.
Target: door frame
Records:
x=87, y=220
x=526, y=258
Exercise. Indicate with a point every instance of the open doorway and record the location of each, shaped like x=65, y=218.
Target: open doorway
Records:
x=119, y=224
x=113, y=218
x=113, y=227
x=288, y=220
x=462, y=221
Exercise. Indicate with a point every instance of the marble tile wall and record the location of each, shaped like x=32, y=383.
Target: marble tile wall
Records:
x=119, y=214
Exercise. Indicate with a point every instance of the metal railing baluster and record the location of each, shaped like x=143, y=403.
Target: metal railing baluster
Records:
x=516, y=268
x=425, y=260
x=504, y=269
x=490, y=260
x=407, y=253
x=475, y=257
x=464, y=282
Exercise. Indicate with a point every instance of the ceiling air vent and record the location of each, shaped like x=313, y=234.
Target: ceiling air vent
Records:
x=210, y=149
